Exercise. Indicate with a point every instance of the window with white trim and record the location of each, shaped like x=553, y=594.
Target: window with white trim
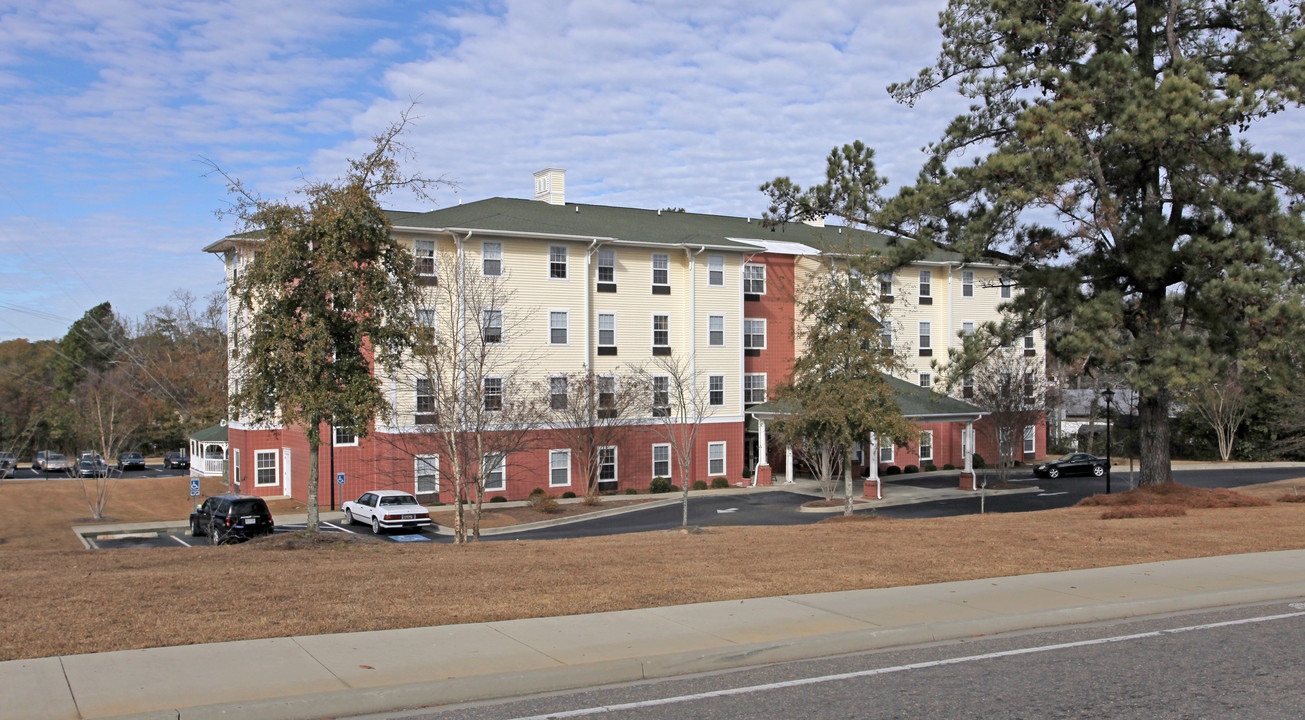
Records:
x=606, y=266
x=424, y=396
x=886, y=285
x=716, y=458
x=495, y=471
x=426, y=471
x=606, y=391
x=661, y=465
x=661, y=269
x=926, y=379
x=493, y=394
x=606, y=329
x=716, y=390
x=716, y=330
x=1005, y=289
x=926, y=335
x=427, y=324
x=661, y=336
x=557, y=262
x=754, y=279
x=491, y=326
x=967, y=328
x=1030, y=386
x=1030, y=343
x=926, y=446
x=235, y=465
x=886, y=333
x=423, y=252
x=265, y=467
x=559, y=468
x=856, y=453
x=345, y=437
x=886, y=453
x=491, y=259
x=967, y=283
x=1030, y=440
x=754, y=333
x=557, y=392
x=661, y=395
x=558, y=326
x=716, y=270
x=967, y=386
x=926, y=283
x=754, y=388
x=607, y=464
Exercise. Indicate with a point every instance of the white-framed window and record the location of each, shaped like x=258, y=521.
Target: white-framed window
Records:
x=716, y=330
x=423, y=253
x=493, y=393
x=856, y=453
x=716, y=458
x=1030, y=343
x=754, y=388
x=491, y=261
x=716, y=270
x=495, y=471
x=344, y=437
x=607, y=464
x=886, y=454
x=967, y=328
x=557, y=392
x=754, y=333
x=661, y=269
x=886, y=332
x=559, y=323
x=491, y=326
x=1030, y=440
x=606, y=266
x=559, y=468
x=606, y=391
x=967, y=386
x=1030, y=386
x=926, y=335
x=426, y=474
x=967, y=283
x=754, y=279
x=661, y=395
x=926, y=283
x=235, y=465
x=926, y=379
x=606, y=329
x=661, y=461
x=886, y=285
x=265, y=467
x=557, y=262
x=1005, y=289
x=424, y=396
x=661, y=330
x=926, y=446
x=716, y=390
x=427, y=322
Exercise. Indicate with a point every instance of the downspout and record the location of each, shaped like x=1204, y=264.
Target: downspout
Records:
x=693, y=345
x=460, y=373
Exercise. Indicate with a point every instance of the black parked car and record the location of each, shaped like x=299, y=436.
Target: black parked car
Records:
x=131, y=461
x=1072, y=464
x=224, y=518
x=176, y=460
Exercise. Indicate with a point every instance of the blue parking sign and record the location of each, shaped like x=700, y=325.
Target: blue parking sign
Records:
x=339, y=478
x=194, y=487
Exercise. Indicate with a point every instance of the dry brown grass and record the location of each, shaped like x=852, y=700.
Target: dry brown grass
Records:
x=1121, y=512
x=61, y=599
x=492, y=517
x=1178, y=495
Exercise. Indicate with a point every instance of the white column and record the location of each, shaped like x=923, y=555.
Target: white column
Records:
x=761, y=442
x=788, y=464
x=873, y=459
x=967, y=447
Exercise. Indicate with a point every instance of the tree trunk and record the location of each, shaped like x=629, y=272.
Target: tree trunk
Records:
x=1153, y=417
x=313, y=511
x=847, y=482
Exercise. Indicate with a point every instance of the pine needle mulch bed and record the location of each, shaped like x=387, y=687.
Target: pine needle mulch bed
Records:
x=58, y=600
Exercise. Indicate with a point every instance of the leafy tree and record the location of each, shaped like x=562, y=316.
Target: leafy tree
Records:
x=327, y=297
x=1103, y=154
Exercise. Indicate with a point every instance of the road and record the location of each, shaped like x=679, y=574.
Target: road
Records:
x=1242, y=662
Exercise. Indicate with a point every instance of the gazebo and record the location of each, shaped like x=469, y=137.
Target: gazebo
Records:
x=208, y=450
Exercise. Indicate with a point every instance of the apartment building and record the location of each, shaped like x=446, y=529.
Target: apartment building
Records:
x=610, y=289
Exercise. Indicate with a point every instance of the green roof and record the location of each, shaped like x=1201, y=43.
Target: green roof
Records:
x=914, y=401
x=216, y=433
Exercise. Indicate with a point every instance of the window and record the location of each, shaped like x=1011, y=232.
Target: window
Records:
x=926, y=283
x=661, y=396
x=557, y=262
x=559, y=468
x=235, y=465
x=716, y=458
x=1030, y=388
x=607, y=464
x=492, y=259
x=886, y=453
x=926, y=446
x=606, y=331
x=716, y=270
x=606, y=391
x=754, y=388
x=926, y=339
x=343, y=436
x=1030, y=440
x=886, y=332
x=423, y=252
x=926, y=380
x=716, y=330
x=493, y=394
x=425, y=397
x=661, y=268
x=264, y=467
x=558, y=322
x=495, y=471
x=716, y=390
x=856, y=453
x=606, y=266
x=754, y=334
x=1004, y=379
x=754, y=279
x=426, y=469
x=492, y=326
x=661, y=332
x=1005, y=289
x=967, y=386
x=967, y=283
x=1030, y=348
x=427, y=322
x=886, y=285
x=967, y=328
x=557, y=392
x=661, y=455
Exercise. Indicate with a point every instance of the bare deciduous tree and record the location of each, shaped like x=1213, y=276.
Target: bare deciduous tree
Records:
x=677, y=399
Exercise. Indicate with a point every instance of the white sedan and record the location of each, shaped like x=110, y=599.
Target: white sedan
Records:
x=386, y=510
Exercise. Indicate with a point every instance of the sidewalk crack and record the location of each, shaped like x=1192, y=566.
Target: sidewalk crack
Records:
x=328, y=670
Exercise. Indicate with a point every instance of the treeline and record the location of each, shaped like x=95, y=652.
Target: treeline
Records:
x=113, y=384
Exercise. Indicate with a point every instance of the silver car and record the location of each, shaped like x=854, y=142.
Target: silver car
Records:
x=48, y=461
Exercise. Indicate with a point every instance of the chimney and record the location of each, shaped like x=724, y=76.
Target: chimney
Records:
x=550, y=186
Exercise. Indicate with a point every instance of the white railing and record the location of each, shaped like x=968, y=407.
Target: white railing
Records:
x=210, y=466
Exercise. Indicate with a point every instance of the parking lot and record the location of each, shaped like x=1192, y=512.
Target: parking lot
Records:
x=180, y=537
x=26, y=473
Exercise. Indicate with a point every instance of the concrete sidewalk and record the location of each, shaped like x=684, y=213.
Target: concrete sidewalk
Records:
x=346, y=674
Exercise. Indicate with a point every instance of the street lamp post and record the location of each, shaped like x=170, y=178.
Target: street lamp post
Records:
x=1109, y=395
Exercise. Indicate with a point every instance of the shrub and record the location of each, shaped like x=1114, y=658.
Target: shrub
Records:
x=538, y=491
x=568, y=495
x=978, y=462
x=631, y=491
x=911, y=469
x=660, y=485
x=930, y=467
x=949, y=466
x=674, y=488
x=719, y=483
x=892, y=470
x=699, y=484
x=545, y=503
x=593, y=499
x=747, y=473
x=497, y=498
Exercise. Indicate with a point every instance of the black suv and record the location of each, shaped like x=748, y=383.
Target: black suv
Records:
x=231, y=517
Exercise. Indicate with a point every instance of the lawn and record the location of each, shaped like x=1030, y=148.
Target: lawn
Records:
x=61, y=599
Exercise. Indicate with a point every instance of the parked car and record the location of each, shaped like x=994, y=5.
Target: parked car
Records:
x=386, y=510
x=131, y=461
x=224, y=518
x=1072, y=464
x=88, y=469
x=8, y=463
x=47, y=461
x=176, y=460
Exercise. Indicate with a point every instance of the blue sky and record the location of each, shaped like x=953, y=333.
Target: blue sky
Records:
x=108, y=106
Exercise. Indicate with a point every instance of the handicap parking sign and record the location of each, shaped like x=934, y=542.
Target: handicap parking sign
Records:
x=194, y=487
x=339, y=478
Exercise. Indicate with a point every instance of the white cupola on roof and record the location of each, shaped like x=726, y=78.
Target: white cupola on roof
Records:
x=550, y=186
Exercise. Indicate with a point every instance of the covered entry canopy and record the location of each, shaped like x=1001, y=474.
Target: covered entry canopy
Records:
x=208, y=449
